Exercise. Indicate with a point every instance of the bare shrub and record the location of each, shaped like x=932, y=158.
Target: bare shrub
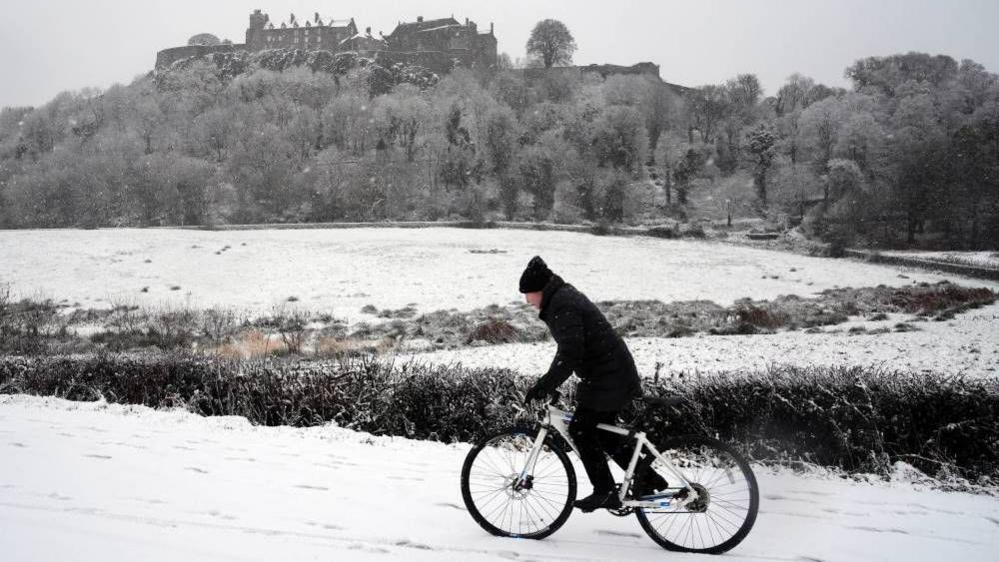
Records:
x=252, y=344
x=26, y=325
x=219, y=324
x=173, y=328
x=126, y=317
x=292, y=324
x=494, y=330
x=6, y=311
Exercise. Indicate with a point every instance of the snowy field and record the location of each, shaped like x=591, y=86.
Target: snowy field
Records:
x=339, y=271
x=97, y=482
x=967, y=345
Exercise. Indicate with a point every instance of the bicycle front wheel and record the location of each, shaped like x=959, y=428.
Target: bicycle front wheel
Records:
x=727, y=501
x=506, y=505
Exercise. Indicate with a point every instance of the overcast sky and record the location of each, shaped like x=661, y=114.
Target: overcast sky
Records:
x=47, y=46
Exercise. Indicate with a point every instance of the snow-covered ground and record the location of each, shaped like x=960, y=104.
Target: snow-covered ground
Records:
x=339, y=271
x=88, y=481
x=969, y=344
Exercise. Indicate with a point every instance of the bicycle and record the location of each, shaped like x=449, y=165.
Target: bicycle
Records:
x=520, y=483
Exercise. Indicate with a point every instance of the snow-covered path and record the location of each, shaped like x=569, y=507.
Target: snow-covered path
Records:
x=83, y=481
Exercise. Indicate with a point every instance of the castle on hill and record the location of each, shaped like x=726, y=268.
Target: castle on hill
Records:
x=439, y=44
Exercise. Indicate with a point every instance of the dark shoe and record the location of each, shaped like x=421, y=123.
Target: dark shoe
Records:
x=598, y=500
x=653, y=484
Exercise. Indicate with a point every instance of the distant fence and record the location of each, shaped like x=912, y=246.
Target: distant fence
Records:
x=663, y=231
x=925, y=263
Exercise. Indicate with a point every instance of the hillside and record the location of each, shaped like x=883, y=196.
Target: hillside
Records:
x=907, y=158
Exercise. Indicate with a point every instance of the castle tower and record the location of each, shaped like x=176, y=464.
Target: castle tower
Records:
x=255, y=33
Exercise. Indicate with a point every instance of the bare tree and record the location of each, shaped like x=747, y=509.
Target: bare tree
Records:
x=551, y=42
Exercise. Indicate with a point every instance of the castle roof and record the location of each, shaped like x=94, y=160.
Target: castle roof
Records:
x=448, y=26
x=310, y=23
x=361, y=36
x=425, y=25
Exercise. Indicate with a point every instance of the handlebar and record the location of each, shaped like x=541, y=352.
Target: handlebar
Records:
x=553, y=399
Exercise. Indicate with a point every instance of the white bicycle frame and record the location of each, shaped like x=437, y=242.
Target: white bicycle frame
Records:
x=559, y=419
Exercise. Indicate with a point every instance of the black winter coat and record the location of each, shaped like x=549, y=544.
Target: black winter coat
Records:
x=588, y=346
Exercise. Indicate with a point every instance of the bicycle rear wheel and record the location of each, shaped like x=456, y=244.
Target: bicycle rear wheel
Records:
x=724, y=511
x=494, y=496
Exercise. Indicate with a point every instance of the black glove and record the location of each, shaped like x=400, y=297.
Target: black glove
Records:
x=537, y=392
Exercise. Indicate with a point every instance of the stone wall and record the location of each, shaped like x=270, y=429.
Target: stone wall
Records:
x=167, y=57
x=604, y=70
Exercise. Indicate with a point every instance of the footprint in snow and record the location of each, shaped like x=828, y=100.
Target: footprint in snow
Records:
x=327, y=526
x=96, y=429
x=878, y=529
x=618, y=534
x=196, y=469
x=315, y=488
x=451, y=505
x=150, y=501
x=220, y=515
x=410, y=544
x=810, y=492
x=372, y=549
x=18, y=445
x=795, y=514
x=102, y=457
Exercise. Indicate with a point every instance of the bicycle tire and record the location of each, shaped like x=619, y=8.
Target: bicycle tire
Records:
x=547, y=509
x=724, y=510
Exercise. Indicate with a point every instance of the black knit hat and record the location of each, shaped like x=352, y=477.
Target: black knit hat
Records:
x=536, y=276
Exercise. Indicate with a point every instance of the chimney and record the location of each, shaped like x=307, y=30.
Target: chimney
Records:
x=419, y=19
x=367, y=30
x=466, y=22
x=491, y=28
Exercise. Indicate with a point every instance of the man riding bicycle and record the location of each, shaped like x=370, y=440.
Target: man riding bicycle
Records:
x=588, y=347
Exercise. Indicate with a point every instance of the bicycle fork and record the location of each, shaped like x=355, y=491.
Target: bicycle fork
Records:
x=525, y=479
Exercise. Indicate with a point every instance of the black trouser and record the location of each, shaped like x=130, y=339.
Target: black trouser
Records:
x=593, y=443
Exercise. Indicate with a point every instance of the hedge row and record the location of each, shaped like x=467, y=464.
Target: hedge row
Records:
x=856, y=419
